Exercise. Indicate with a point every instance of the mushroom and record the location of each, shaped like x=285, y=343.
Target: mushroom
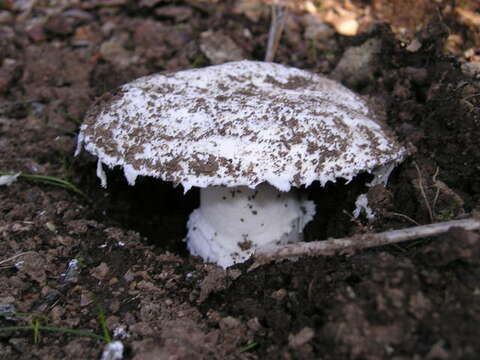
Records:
x=245, y=133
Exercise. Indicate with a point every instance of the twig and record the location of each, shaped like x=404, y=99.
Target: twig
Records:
x=363, y=241
x=279, y=14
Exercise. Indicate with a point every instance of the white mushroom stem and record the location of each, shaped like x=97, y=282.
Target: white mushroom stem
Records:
x=232, y=222
x=348, y=245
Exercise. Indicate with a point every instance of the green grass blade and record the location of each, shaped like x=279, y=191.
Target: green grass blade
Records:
x=248, y=347
x=36, y=331
x=50, y=180
x=103, y=325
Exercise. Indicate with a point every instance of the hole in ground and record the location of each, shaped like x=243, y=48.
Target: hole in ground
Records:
x=159, y=212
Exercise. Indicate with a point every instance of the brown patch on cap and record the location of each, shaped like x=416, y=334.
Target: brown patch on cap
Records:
x=245, y=244
x=294, y=82
x=206, y=167
x=102, y=104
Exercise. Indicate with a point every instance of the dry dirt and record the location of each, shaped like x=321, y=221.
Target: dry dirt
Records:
x=418, y=300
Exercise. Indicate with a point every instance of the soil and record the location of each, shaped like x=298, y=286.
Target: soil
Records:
x=417, y=300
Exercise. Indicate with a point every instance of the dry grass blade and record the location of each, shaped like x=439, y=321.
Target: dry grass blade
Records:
x=422, y=191
x=10, y=259
x=346, y=245
x=279, y=14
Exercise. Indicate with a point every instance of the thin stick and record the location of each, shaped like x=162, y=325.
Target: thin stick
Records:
x=348, y=245
x=279, y=14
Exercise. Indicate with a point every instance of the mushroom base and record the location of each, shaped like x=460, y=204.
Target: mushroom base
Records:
x=232, y=222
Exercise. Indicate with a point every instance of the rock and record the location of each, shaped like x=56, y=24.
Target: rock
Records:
x=347, y=26
x=102, y=3
x=36, y=32
x=414, y=45
x=345, y=23
x=61, y=24
x=154, y=40
x=315, y=29
x=8, y=72
x=86, y=298
x=301, y=338
x=358, y=63
x=85, y=35
x=220, y=48
x=6, y=17
x=100, y=272
x=113, y=50
x=178, y=13
x=229, y=322
x=252, y=9
x=33, y=264
x=79, y=14
x=471, y=69
x=150, y=3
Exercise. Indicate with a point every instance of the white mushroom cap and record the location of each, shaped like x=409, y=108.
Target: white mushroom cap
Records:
x=237, y=124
